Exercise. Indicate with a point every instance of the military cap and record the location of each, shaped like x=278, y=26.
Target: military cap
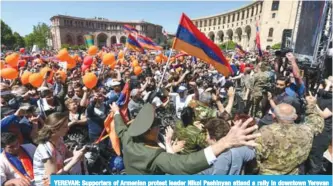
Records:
x=143, y=121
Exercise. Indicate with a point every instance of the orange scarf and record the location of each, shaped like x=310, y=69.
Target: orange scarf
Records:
x=26, y=162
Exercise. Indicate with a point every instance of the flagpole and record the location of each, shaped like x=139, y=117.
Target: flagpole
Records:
x=166, y=67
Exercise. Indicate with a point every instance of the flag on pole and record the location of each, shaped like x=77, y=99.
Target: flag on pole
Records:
x=190, y=40
x=129, y=29
x=240, y=50
x=165, y=33
x=133, y=44
x=258, y=39
x=148, y=43
x=89, y=40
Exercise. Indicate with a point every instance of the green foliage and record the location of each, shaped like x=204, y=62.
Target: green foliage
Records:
x=39, y=36
x=65, y=46
x=10, y=39
x=167, y=44
x=276, y=46
x=229, y=45
x=74, y=47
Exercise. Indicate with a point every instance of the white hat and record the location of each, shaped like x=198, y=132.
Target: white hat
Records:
x=41, y=89
x=114, y=83
x=134, y=92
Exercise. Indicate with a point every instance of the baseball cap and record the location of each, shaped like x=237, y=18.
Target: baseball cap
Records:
x=181, y=89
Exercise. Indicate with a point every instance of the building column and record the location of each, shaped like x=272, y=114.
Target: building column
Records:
x=244, y=41
x=108, y=42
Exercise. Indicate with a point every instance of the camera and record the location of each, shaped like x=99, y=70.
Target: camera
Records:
x=283, y=52
x=89, y=147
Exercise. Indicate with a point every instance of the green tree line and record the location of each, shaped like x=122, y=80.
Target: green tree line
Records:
x=13, y=40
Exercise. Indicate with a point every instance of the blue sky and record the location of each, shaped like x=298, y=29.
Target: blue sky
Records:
x=21, y=16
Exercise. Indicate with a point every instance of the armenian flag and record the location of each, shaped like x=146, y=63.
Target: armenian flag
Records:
x=133, y=44
x=240, y=50
x=148, y=43
x=258, y=39
x=190, y=40
x=130, y=29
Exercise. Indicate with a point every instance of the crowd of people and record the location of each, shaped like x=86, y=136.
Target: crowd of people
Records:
x=181, y=117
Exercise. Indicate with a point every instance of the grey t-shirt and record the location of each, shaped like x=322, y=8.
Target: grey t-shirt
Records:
x=134, y=107
x=231, y=162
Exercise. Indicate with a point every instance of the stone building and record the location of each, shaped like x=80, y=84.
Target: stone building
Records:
x=239, y=25
x=71, y=30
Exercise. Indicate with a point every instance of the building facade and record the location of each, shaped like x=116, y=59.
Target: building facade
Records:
x=71, y=30
x=273, y=17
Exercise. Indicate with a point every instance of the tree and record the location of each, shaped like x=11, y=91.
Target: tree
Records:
x=19, y=41
x=7, y=37
x=276, y=46
x=39, y=36
x=229, y=45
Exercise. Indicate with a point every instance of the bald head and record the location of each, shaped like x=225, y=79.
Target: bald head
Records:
x=285, y=112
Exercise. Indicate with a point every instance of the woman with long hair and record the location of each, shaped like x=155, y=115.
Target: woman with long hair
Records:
x=52, y=156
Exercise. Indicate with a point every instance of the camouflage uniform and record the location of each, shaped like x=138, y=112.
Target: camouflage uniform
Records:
x=283, y=147
x=261, y=81
x=202, y=111
x=195, y=138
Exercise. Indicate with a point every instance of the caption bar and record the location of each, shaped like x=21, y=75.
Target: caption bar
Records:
x=191, y=180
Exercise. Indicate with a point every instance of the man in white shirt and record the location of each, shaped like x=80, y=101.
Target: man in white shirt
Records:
x=16, y=161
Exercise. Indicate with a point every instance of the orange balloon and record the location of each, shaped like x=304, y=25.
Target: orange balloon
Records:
x=158, y=59
x=63, y=55
x=92, y=50
x=25, y=77
x=12, y=59
x=2, y=65
x=63, y=75
x=44, y=70
x=108, y=59
x=121, y=55
x=36, y=80
x=137, y=70
x=160, y=54
x=135, y=63
x=90, y=80
x=71, y=63
x=9, y=73
x=113, y=65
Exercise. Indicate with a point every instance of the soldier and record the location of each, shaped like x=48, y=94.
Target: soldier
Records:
x=261, y=81
x=143, y=156
x=284, y=146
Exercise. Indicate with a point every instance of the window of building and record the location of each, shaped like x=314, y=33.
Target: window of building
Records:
x=233, y=17
x=223, y=20
x=200, y=23
x=238, y=16
x=248, y=13
x=243, y=14
x=273, y=15
x=252, y=11
x=219, y=21
x=257, y=9
x=214, y=21
x=275, y=5
x=205, y=24
x=270, y=33
x=228, y=18
x=210, y=22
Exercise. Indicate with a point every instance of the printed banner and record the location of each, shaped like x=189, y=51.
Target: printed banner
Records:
x=89, y=40
x=197, y=180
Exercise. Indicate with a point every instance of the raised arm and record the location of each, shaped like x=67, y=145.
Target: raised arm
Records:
x=312, y=116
